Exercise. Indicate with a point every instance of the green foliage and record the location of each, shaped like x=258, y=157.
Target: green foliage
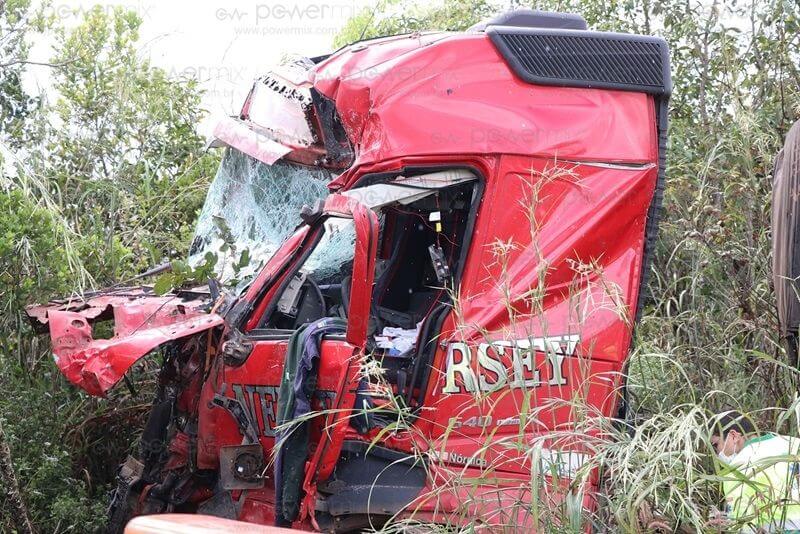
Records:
x=65, y=445
x=182, y=273
x=736, y=94
x=95, y=186
x=16, y=20
x=28, y=268
x=37, y=405
x=393, y=17
x=131, y=167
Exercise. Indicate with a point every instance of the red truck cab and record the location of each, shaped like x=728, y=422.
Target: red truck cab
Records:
x=464, y=293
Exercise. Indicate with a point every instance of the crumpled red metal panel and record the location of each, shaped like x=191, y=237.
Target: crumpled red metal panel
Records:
x=142, y=322
x=361, y=59
x=458, y=96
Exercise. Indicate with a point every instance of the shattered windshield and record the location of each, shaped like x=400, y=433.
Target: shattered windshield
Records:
x=250, y=209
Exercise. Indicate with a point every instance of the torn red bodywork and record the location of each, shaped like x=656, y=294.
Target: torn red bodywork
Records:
x=142, y=322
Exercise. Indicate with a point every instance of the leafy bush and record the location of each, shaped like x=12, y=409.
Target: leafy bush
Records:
x=96, y=186
x=28, y=267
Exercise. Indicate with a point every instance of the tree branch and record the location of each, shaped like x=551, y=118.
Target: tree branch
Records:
x=40, y=63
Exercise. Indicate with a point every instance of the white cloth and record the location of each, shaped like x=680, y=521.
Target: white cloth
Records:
x=397, y=340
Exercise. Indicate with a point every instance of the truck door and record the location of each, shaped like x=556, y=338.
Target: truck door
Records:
x=343, y=236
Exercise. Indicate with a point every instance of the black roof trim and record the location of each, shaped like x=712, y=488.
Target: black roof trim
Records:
x=533, y=18
x=576, y=58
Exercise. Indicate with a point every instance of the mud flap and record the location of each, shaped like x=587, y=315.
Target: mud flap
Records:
x=221, y=505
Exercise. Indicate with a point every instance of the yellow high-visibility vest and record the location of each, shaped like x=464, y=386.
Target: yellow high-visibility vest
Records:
x=762, y=483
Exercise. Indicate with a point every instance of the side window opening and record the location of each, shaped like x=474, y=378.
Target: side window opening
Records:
x=420, y=250
x=320, y=287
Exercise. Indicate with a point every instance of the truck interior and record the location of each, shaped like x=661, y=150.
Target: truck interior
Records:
x=425, y=226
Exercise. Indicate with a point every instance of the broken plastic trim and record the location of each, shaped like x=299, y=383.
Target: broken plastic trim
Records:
x=236, y=134
x=405, y=190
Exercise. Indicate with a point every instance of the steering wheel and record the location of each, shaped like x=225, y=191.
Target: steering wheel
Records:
x=312, y=306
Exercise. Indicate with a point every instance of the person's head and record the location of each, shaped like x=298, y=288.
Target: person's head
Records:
x=729, y=432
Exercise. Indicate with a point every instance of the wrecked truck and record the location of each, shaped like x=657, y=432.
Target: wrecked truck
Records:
x=449, y=235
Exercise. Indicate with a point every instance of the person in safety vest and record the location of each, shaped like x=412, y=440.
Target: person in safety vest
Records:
x=761, y=475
